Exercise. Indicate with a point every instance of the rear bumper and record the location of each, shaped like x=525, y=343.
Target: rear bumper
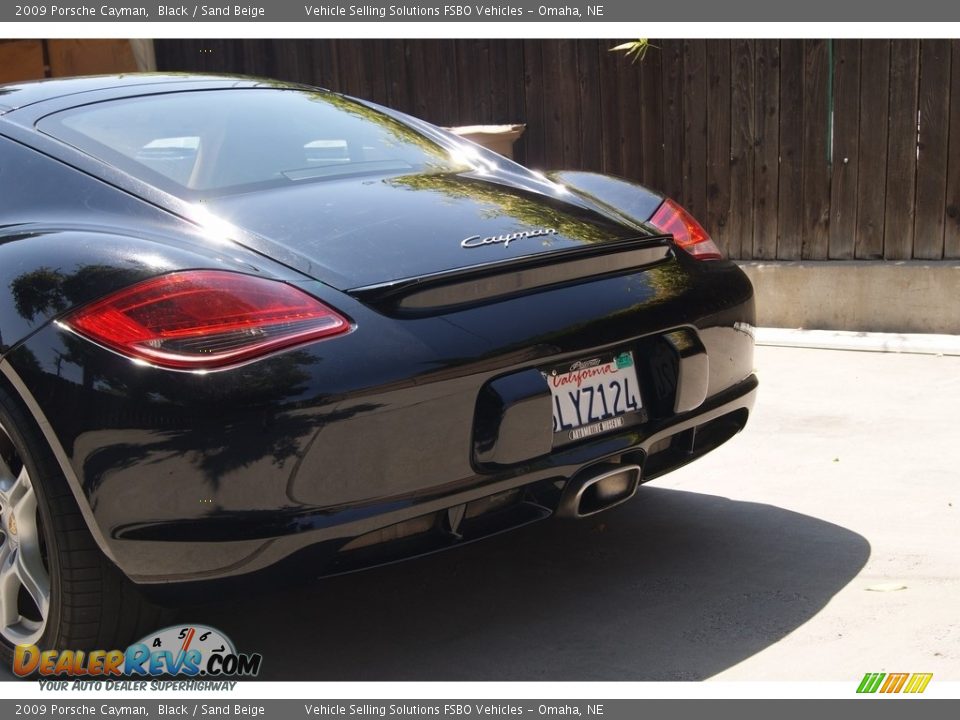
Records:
x=388, y=533
x=371, y=448
x=175, y=560
x=659, y=449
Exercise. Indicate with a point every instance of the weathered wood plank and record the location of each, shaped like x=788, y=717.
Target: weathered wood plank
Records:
x=448, y=80
x=951, y=235
x=672, y=73
x=473, y=82
x=611, y=128
x=484, y=112
x=742, y=103
x=557, y=133
x=934, y=122
x=535, y=135
x=767, y=159
x=846, y=147
x=293, y=60
x=500, y=77
x=872, y=173
x=426, y=69
x=512, y=77
x=717, y=218
x=591, y=110
x=790, y=191
x=901, y=150
x=385, y=70
x=648, y=77
x=566, y=97
x=695, y=127
x=325, y=66
x=433, y=81
x=816, y=172
x=352, y=68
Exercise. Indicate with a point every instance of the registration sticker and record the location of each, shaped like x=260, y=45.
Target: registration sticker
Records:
x=594, y=395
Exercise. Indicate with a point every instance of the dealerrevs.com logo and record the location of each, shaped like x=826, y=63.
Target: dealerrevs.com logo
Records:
x=889, y=683
x=191, y=651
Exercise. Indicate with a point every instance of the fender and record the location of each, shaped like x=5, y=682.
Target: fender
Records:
x=100, y=240
x=46, y=271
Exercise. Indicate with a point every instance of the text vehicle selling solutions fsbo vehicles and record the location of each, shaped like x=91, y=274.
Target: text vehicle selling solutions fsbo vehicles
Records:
x=250, y=327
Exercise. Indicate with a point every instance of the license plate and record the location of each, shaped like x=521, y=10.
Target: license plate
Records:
x=594, y=395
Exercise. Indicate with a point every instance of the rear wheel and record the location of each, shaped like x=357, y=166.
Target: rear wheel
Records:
x=57, y=590
x=24, y=574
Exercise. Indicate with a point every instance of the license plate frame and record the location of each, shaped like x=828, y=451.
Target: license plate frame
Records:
x=594, y=395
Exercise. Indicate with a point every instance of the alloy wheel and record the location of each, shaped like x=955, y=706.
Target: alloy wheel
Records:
x=24, y=575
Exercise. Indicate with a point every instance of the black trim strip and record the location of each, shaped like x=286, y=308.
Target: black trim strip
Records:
x=478, y=283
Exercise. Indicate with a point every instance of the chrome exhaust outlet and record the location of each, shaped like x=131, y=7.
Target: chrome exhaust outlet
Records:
x=598, y=488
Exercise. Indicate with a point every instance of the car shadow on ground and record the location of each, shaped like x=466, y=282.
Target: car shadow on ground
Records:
x=670, y=586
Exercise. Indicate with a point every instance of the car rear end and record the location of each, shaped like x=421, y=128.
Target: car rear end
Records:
x=503, y=348
x=591, y=388
x=417, y=430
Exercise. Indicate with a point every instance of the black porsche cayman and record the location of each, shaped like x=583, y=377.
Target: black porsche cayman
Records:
x=249, y=327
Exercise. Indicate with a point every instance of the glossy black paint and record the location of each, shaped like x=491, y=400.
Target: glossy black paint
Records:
x=350, y=247
x=67, y=238
x=190, y=477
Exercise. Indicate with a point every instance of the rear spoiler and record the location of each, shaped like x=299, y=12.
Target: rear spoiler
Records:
x=477, y=284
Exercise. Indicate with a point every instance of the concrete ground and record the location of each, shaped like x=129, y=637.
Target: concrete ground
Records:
x=819, y=544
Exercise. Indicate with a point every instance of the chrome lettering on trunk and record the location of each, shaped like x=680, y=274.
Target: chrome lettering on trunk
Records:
x=475, y=241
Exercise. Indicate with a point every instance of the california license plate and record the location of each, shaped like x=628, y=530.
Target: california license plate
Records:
x=594, y=396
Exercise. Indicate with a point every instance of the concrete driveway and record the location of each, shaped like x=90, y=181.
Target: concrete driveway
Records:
x=819, y=544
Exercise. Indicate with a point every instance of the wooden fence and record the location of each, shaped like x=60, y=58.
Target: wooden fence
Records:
x=786, y=149
x=37, y=59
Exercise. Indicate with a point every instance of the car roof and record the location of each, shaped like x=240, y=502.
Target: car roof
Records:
x=17, y=95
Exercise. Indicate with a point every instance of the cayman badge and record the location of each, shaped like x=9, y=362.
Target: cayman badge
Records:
x=475, y=241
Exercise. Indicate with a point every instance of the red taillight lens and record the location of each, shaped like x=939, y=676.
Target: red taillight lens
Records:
x=205, y=319
x=687, y=232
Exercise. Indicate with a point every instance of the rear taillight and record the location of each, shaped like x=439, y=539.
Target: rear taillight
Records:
x=205, y=319
x=687, y=232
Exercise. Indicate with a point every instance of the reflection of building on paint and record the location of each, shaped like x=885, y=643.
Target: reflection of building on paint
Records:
x=894, y=682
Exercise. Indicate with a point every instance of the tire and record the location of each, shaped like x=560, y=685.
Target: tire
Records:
x=45, y=545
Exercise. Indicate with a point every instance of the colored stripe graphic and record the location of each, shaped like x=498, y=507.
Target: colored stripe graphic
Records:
x=894, y=682
x=870, y=682
x=918, y=683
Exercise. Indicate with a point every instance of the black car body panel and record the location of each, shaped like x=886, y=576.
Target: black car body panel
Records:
x=67, y=238
x=419, y=225
x=422, y=428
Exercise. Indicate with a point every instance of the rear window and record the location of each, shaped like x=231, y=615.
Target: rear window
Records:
x=216, y=142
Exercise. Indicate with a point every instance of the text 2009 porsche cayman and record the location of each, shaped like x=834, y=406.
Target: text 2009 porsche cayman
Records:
x=248, y=326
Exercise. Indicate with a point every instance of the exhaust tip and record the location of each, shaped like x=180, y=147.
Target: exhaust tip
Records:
x=597, y=489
